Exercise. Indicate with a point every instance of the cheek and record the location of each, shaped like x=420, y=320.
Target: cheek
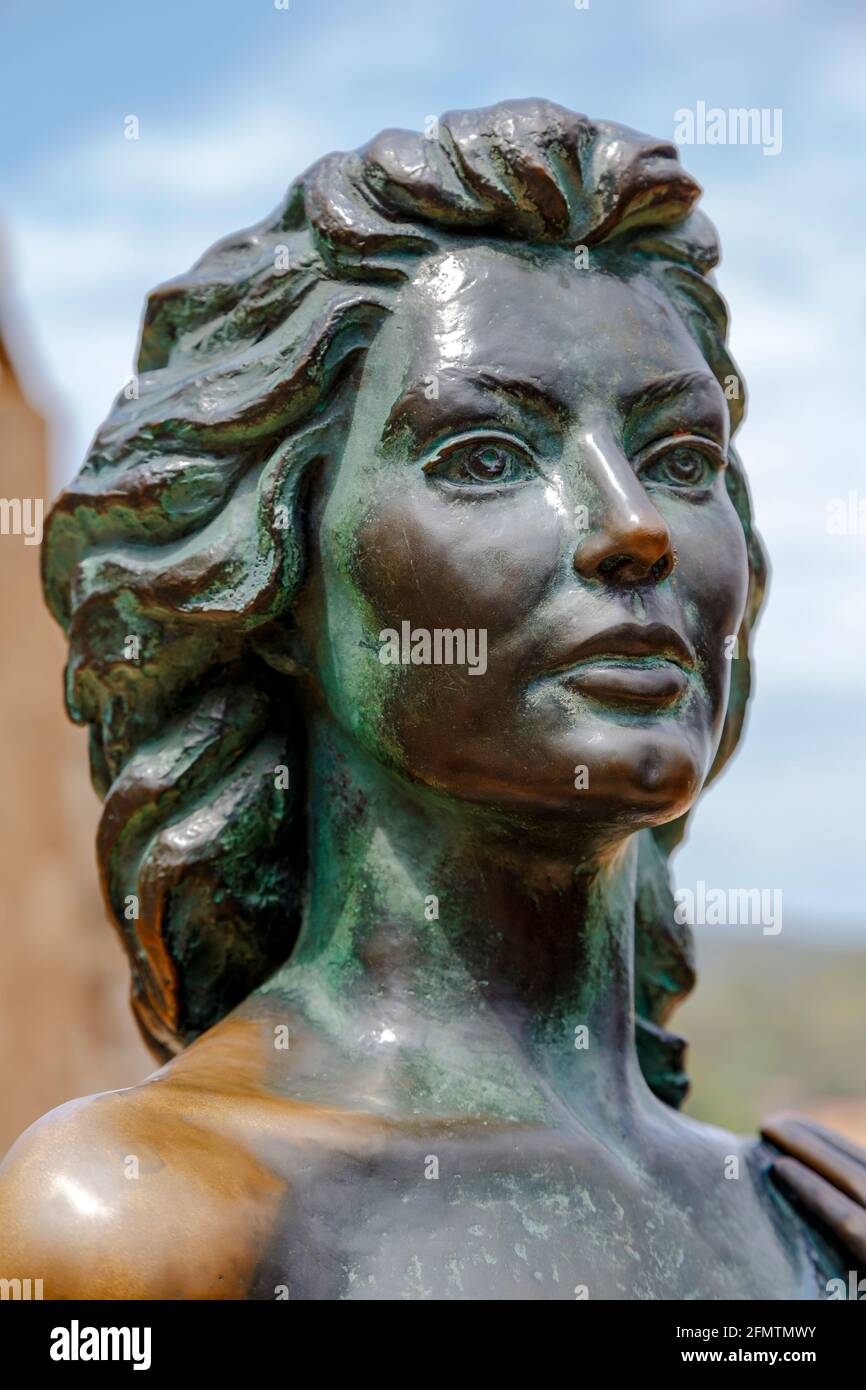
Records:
x=713, y=581
x=409, y=555
x=437, y=562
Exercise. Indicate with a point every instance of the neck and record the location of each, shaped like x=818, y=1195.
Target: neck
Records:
x=485, y=961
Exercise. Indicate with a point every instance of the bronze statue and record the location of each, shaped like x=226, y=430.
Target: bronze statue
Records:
x=409, y=600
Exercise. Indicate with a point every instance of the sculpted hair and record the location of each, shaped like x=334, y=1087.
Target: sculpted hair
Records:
x=173, y=558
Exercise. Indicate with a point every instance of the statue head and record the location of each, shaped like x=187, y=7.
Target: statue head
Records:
x=401, y=457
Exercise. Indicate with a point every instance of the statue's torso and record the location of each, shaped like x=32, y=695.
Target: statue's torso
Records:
x=530, y=1216
x=209, y=1182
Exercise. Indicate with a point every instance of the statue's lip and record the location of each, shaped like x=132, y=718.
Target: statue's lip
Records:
x=631, y=646
x=629, y=680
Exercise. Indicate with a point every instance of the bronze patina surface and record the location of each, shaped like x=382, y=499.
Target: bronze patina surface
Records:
x=409, y=606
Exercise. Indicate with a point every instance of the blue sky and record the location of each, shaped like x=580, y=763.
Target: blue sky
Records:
x=235, y=97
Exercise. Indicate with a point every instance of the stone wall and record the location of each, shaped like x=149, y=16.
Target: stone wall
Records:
x=65, y=1026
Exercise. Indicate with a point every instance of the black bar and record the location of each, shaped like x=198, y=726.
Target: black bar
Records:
x=257, y=1338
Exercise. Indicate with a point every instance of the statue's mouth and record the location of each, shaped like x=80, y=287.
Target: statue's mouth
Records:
x=643, y=663
x=629, y=680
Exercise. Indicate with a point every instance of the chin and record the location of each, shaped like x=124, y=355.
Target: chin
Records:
x=660, y=783
x=642, y=773
x=645, y=773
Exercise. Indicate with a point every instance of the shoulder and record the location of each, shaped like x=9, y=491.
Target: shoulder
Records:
x=141, y=1193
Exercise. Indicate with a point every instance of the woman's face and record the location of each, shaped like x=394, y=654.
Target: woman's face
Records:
x=532, y=486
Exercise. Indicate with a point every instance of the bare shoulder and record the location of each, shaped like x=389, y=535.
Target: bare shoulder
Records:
x=150, y=1192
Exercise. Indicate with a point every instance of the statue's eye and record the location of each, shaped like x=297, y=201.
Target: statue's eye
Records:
x=685, y=463
x=476, y=461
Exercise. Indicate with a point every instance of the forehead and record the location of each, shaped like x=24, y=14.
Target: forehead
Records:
x=541, y=319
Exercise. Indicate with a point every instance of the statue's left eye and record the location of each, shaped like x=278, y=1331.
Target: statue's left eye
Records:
x=473, y=462
x=683, y=466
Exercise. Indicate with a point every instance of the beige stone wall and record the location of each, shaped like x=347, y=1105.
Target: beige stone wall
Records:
x=65, y=1026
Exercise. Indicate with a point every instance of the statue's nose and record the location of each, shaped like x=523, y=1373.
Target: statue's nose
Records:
x=631, y=542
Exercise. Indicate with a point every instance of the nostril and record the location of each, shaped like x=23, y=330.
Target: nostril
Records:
x=612, y=563
x=662, y=567
x=627, y=568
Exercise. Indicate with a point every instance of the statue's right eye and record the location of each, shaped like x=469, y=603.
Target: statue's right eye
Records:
x=480, y=461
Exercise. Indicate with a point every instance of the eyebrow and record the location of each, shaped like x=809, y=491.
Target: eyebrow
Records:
x=662, y=390
x=521, y=390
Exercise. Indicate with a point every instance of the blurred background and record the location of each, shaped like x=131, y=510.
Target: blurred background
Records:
x=226, y=101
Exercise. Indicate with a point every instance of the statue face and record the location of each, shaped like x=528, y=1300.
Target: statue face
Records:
x=535, y=461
